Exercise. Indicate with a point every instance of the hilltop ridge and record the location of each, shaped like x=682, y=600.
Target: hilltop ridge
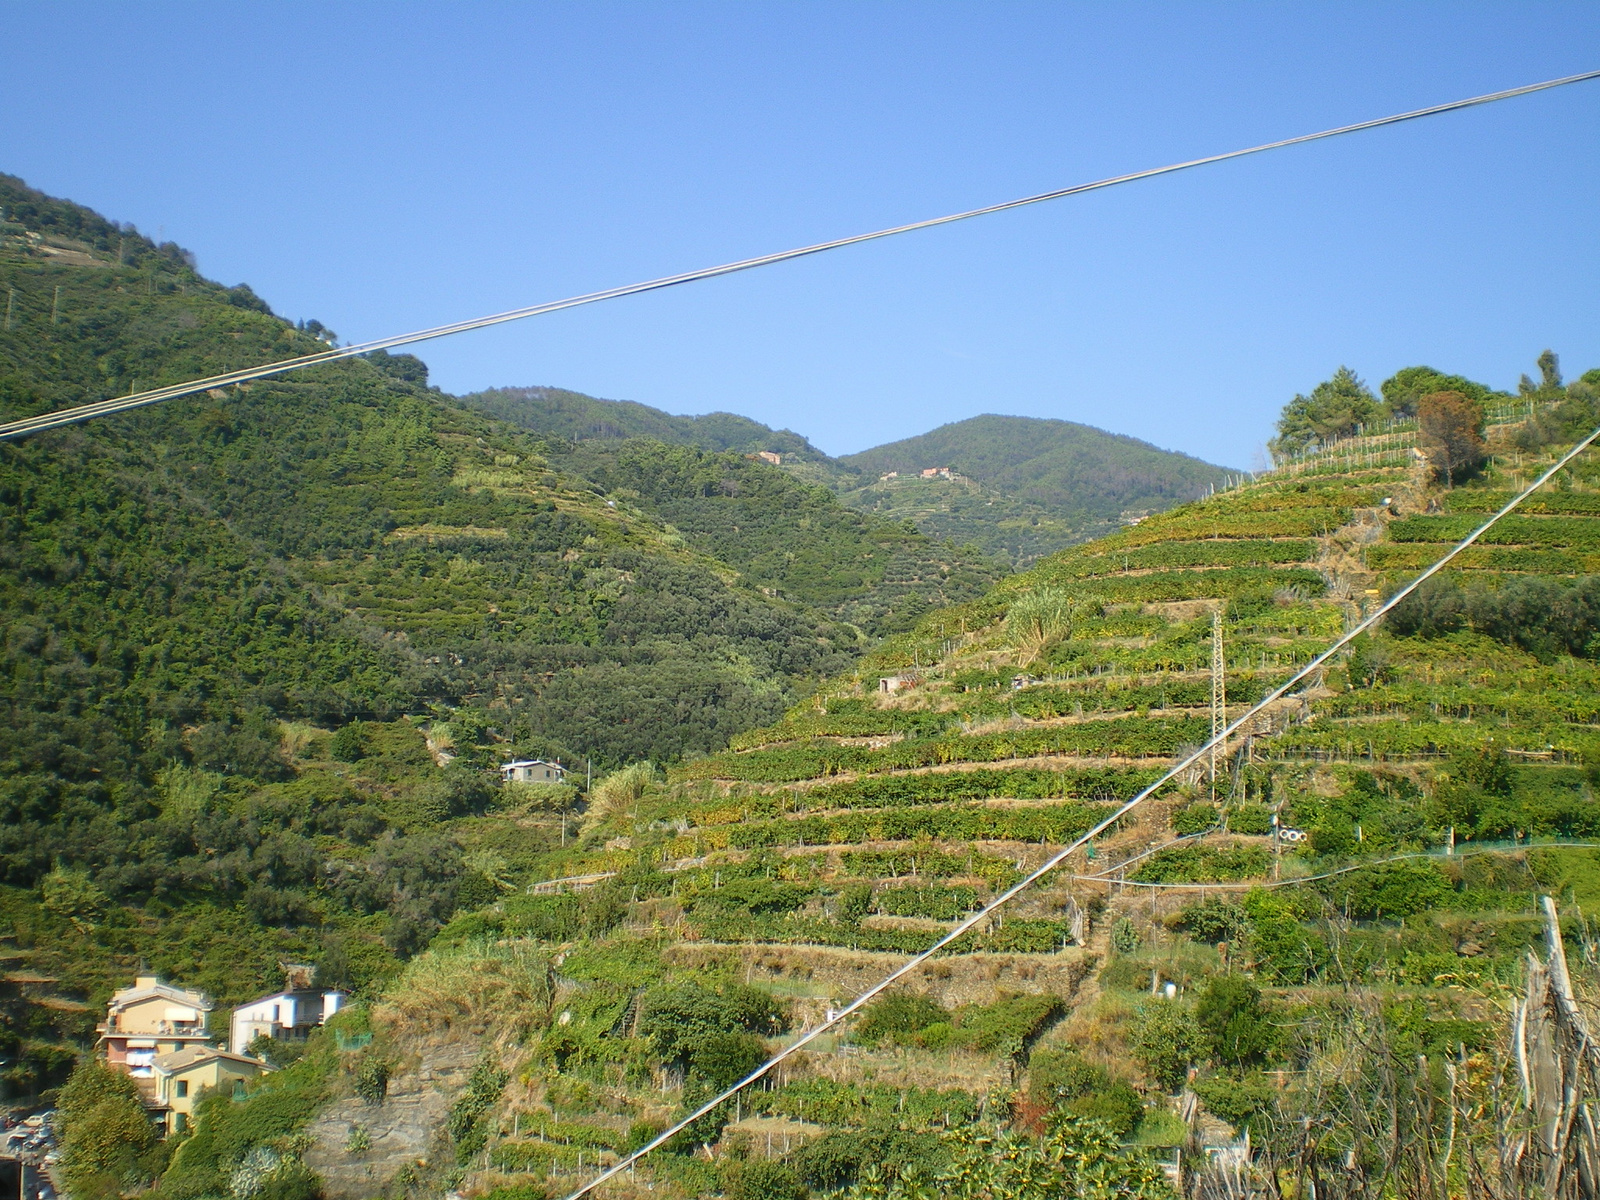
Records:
x=1031, y=486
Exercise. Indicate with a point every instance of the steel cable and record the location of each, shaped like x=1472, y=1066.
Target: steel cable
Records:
x=103, y=408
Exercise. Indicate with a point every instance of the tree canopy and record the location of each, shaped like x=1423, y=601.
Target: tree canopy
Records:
x=1336, y=408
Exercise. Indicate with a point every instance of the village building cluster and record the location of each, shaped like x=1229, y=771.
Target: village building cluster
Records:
x=161, y=1035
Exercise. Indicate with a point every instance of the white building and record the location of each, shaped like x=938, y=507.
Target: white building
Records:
x=288, y=1015
x=532, y=770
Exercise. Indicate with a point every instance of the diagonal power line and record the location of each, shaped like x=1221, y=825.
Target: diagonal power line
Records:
x=85, y=412
x=1054, y=861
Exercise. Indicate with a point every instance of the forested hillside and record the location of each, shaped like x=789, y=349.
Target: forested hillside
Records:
x=1030, y=487
x=200, y=596
x=572, y=416
x=1027, y=487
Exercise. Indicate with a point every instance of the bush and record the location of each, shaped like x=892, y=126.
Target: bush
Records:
x=1235, y=1022
x=468, y=1115
x=687, y=1020
x=1388, y=890
x=104, y=1130
x=349, y=744
x=1193, y=819
x=837, y=1158
x=1214, y=920
x=1251, y=819
x=1009, y=1025
x=897, y=1017
x=1124, y=936
x=768, y=1181
x=1063, y=1080
x=1167, y=1039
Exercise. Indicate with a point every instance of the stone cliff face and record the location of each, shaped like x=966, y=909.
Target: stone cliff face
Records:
x=363, y=1149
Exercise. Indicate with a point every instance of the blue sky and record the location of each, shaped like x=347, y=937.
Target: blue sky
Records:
x=391, y=166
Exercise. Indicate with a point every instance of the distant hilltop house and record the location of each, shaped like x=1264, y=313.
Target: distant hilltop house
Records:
x=289, y=1015
x=148, y=1020
x=888, y=475
x=532, y=770
x=770, y=457
x=183, y=1077
x=938, y=473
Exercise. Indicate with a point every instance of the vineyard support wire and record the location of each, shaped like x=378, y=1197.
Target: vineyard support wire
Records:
x=1050, y=864
x=102, y=408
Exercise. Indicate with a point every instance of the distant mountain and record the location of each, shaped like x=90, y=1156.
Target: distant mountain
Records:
x=1028, y=486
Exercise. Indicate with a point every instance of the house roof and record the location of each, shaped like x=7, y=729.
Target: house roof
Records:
x=310, y=995
x=160, y=991
x=194, y=1056
x=531, y=762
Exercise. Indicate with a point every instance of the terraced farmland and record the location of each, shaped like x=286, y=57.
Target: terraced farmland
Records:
x=1427, y=786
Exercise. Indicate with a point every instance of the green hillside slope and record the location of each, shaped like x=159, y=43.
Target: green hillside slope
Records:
x=761, y=886
x=1030, y=486
x=197, y=596
x=575, y=417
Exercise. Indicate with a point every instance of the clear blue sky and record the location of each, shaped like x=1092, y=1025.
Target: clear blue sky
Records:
x=390, y=166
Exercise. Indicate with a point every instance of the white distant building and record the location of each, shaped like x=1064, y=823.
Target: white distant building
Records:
x=895, y=683
x=532, y=770
x=770, y=457
x=289, y=1015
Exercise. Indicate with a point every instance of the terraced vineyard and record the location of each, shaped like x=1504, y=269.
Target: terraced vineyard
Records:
x=1188, y=978
x=805, y=859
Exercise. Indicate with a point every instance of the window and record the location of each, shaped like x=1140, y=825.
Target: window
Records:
x=180, y=1122
x=183, y=1087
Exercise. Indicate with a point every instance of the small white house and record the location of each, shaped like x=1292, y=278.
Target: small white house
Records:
x=289, y=1015
x=533, y=770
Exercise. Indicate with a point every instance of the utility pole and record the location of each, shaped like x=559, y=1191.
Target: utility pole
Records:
x=11, y=303
x=1219, y=694
x=55, y=305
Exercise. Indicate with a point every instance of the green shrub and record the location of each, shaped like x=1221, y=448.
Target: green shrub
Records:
x=1193, y=819
x=518, y=1191
x=839, y=1157
x=1166, y=1038
x=1124, y=936
x=349, y=744
x=1214, y=920
x=897, y=1017
x=467, y=1123
x=1234, y=1020
x=105, y=1132
x=762, y=1180
x=1061, y=1079
x=1388, y=890
x=1253, y=819
x=939, y=903
x=1009, y=1025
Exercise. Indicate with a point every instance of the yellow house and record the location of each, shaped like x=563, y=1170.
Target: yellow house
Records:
x=149, y=1019
x=184, y=1076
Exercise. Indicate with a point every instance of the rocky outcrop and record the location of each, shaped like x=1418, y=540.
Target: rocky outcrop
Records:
x=363, y=1149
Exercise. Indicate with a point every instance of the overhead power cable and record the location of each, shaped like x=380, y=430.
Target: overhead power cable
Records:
x=971, y=922
x=103, y=408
